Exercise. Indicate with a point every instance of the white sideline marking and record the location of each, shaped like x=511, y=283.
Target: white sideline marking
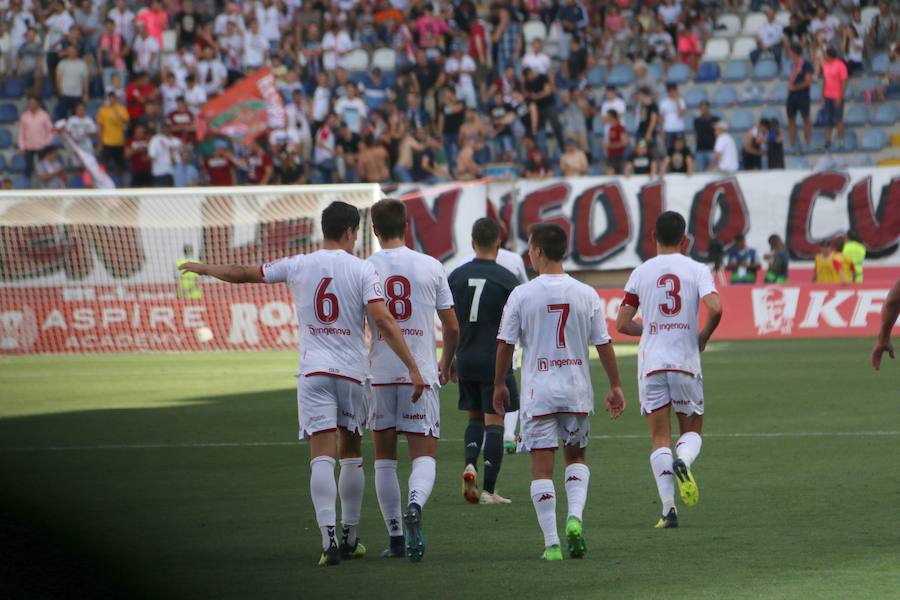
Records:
x=630, y=436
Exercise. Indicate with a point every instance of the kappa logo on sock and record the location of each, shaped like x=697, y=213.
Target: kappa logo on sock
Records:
x=573, y=478
x=488, y=463
x=666, y=473
x=472, y=445
x=545, y=497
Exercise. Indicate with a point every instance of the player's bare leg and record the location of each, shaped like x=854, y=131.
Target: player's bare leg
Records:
x=351, y=488
x=661, y=464
x=473, y=440
x=387, y=489
x=543, y=497
x=323, y=489
x=577, y=478
x=422, y=450
x=493, y=459
x=687, y=448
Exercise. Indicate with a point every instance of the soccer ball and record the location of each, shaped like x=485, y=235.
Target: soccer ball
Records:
x=204, y=335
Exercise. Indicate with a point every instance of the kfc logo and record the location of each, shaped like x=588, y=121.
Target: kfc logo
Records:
x=18, y=329
x=543, y=365
x=774, y=309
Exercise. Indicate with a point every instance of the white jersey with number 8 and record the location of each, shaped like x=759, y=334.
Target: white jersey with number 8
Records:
x=557, y=319
x=415, y=285
x=331, y=289
x=668, y=289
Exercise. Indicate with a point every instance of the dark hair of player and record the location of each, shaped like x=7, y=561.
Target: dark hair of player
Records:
x=389, y=218
x=670, y=227
x=337, y=218
x=739, y=238
x=550, y=238
x=485, y=233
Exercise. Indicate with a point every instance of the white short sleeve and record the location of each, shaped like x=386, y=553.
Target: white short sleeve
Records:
x=631, y=286
x=372, y=289
x=444, y=297
x=281, y=270
x=510, y=323
x=705, y=283
x=599, y=333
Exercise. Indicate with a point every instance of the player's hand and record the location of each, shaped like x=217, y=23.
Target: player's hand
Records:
x=418, y=384
x=444, y=372
x=702, y=340
x=879, y=350
x=454, y=376
x=500, y=399
x=615, y=402
x=192, y=267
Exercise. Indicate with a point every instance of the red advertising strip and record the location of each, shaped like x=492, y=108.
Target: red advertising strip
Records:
x=256, y=317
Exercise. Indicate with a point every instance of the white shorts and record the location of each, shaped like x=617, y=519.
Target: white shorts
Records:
x=544, y=433
x=325, y=403
x=682, y=390
x=391, y=407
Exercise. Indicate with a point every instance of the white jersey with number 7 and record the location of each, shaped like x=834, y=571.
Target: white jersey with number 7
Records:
x=557, y=319
x=331, y=289
x=668, y=289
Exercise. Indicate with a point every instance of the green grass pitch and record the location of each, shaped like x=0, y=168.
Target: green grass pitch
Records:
x=179, y=476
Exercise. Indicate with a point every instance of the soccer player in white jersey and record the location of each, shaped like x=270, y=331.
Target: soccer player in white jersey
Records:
x=415, y=286
x=557, y=319
x=668, y=289
x=333, y=292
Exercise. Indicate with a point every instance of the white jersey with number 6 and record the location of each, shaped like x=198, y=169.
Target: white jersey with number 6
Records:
x=668, y=289
x=331, y=289
x=415, y=285
x=557, y=319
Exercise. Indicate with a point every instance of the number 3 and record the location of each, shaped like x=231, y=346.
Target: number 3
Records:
x=673, y=286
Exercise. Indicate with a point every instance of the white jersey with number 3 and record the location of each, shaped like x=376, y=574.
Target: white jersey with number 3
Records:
x=668, y=289
x=415, y=285
x=557, y=319
x=331, y=289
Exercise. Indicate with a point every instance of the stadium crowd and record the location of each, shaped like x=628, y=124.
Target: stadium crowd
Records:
x=469, y=87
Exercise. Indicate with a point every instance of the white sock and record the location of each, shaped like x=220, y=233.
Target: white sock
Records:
x=577, y=477
x=387, y=488
x=351, y=487
x=543, y=497
x=324, y=495
x=661, y=464
x=421, y=479
x=688, y=447
x=509, y=426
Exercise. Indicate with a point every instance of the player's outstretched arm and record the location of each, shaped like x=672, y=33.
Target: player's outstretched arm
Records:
x=391, y=333
x=229, y=273
x=615, y=398
x=889, y=313
x=450, y=328
x=501, y=368
x=713, y=316
x=625, y=322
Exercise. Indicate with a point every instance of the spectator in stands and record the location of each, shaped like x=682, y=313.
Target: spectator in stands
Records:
x=883, y=28
x=798, y=86
x=211, y=73
x=661, y=45
x=292, y=170
x=778, y=261
x=7, y=184
x=146, y=50
x=503, y=116
x=136, y=152
x=612, y=101
x=769, y=38
x=256, y=48
x=351, y=109
x=672, y=109
x=754, y=146
x=742, y=262
x=82, y=129
x=57, y=25
x=113, y=121
x=889, y=84
x=164, y=151
x=30, y=60
x=50, y=173
x=182, y=124
x=725, y=154
x=123, y=18
x=184, y=171
x=573, y=162
x=577, y=106
x=449, y=123
x=71, y=82
x=259, y=165
x=678, y=160
x=642, y=161
x=774, y=144
x=615, y=144
x=507, y=38
x=467, y=167
x=460, y=69
x=324, y=151
x=834, y=76
x=111, y=54
x=648, y=116
x=704, y=137
x=35, y=133
x=689, y=48
x=536, y=59
x=88, y=22
x=372, y=164
x=194, y=95
x=852, y=49
x=537, y=165
x=219, y=167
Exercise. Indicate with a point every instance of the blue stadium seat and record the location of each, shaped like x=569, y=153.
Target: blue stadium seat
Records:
x=880, y=63
x=631, y=123
x=22, y=183
x=621, y=75
x=753, y=94
x=689, y=122
x=856, y=115
x=885, y=114
x=778, y=93
x=694, y=96
x=76, y=182
x=773, y=113
x=796, y=163
x=860, y=86
x=2, y=163
x=47, y=90
x=765, y=70
x=654, y=72
x=13, y=88
x=873, y=140
x=736, y=71
x=851, y=142
x=17, y=164
x=818, y=138
x=679, y=73
x=724, y=96
x=6, y=138
x=93, y=106
x=741, y=120
x=596, y=77
x=708, y=71
x=597, y=125
x=95, y=87
x=8, y=113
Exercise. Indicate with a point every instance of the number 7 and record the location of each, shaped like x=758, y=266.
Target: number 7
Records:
x=478, y=284
x=563, y=310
